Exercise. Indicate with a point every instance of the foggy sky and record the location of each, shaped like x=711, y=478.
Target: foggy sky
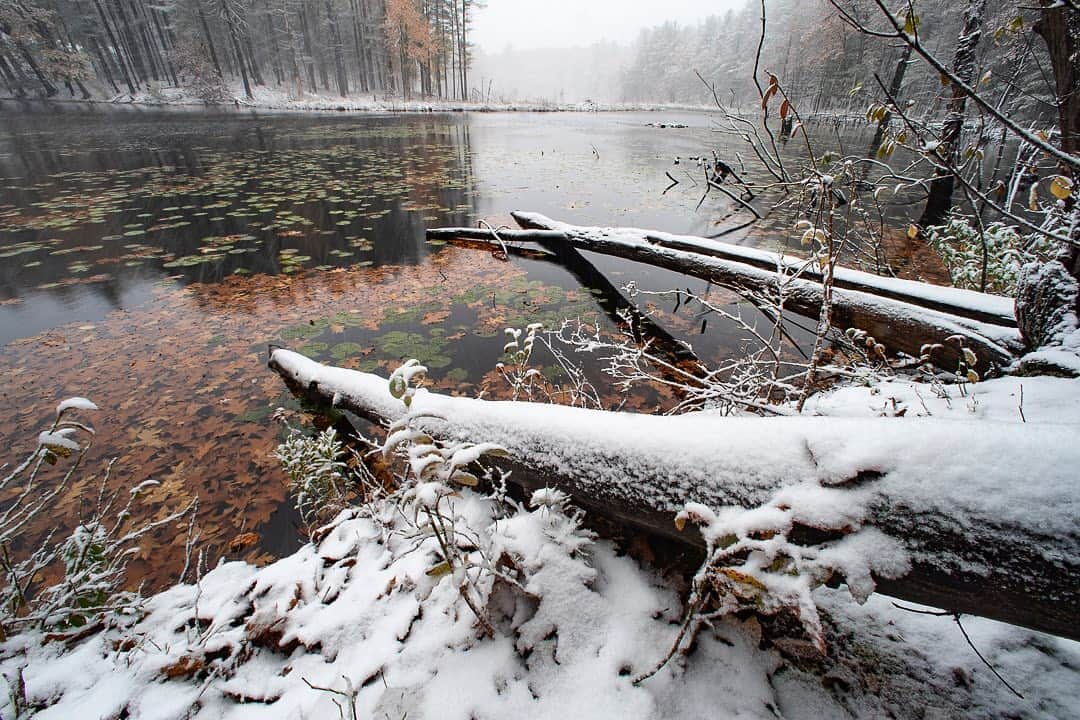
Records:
x=562, y=23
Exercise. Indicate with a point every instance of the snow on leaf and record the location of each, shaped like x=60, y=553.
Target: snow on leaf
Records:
x=57, y=440
x=75, y=403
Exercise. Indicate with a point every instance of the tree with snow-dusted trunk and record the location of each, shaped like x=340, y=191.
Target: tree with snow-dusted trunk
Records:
x=1048, y=297
x=339, y=63
x=409, y=38
x=231, y=13
x=940, y=191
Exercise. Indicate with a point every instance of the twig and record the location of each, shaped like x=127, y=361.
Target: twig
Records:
x=736, y=198
x=956, y=618
x=691, y=613
x=986, y=662
x=674, y=182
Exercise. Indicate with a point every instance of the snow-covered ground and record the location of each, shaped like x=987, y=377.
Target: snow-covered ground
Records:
x=269, y=98
x=365, y=615
x=357, y=611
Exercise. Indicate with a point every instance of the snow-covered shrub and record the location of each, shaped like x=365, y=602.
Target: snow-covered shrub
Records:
x=528, y=381
x=319, y=479
x=516, y=371
x=753, y=562
x=435, y=471
x=1000, y=247
x=94, y=556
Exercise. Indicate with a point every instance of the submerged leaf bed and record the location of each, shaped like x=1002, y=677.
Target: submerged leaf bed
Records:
x=186, y=399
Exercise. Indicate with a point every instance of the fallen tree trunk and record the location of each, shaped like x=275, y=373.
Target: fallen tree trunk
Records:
x=903, y=325
x=992, y=309
x=986, y=511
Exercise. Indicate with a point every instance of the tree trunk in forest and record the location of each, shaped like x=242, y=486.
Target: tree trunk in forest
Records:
x=230, y=21
x=1060, y=28
x=939, y=197
x=403, y=41
x=21, y=80
x=165, y=46
x=209, y=37
x=895, y=87
x=49, y=88
x=147, y=48
x=309, y=58
x=294, y=62
x=253, y=65
x=358, y=40
x=968, y=554
x=122, y=60
x=339, y=62
x=127, y=37
x=902, y=326
x=455, y=73
x=10, y=78
x=464, y=49
x=275, y=53
x=319, y=56
x=106, y=70
x=1048, y=294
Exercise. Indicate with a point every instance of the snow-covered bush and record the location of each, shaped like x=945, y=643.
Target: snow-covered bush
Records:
x=999, y=251
x=319, y=479
x=434, y=473
x=528, y=381
x=94, y=556
x=753, y=561
x=518, y=351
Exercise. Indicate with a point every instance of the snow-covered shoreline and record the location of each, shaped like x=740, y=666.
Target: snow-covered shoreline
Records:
x=358, y=614
x=361, y=618
x=277, y=100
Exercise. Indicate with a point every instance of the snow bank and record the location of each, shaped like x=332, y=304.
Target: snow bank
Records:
x=269, y=98
x=359, y=610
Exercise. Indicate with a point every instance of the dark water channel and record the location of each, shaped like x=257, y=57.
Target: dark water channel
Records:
x=148, y=258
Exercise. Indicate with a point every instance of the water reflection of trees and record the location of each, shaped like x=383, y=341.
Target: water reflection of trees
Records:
x=68, y=166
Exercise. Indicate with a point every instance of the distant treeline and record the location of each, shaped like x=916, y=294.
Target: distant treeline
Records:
x=88, y=48
x=825, y=64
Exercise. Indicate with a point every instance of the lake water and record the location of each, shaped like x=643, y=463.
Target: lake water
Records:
x=147, y=259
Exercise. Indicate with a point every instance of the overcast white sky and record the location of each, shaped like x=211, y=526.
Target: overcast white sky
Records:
x=562, y=23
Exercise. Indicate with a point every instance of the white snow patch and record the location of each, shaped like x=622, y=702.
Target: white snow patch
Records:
x=75, y=403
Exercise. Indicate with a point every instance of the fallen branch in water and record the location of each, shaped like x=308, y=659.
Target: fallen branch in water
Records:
x=905, y=325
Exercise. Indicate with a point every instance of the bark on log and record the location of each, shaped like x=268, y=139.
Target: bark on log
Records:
x=982, y=539
x=900, y=325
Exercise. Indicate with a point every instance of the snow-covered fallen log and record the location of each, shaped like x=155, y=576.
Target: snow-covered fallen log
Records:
x=986, y=510
x=993, y=309
x=903, y=315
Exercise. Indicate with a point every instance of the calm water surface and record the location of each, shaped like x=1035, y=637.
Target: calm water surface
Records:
x=148, y=258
